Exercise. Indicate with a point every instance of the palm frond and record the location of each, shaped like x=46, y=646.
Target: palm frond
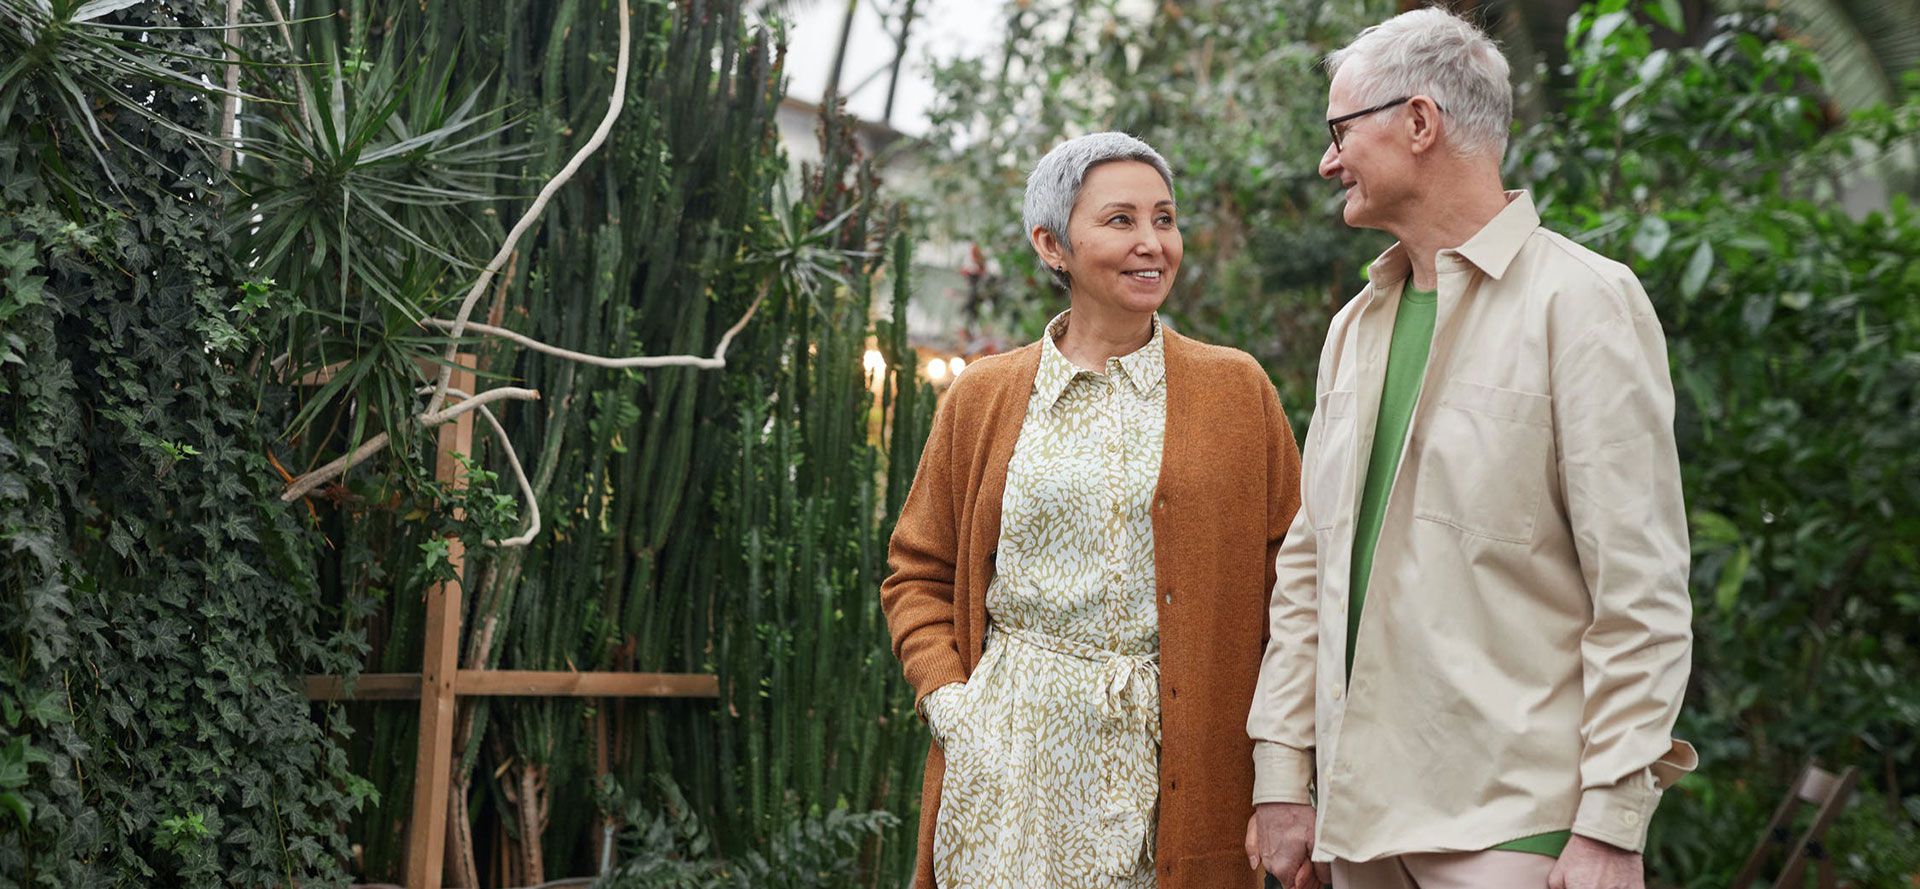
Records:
x=1866, y=46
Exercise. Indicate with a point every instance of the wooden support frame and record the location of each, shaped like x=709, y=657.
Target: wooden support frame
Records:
x=1828, y=794
x=439, y=661
x=519, y=683
x=440, y=680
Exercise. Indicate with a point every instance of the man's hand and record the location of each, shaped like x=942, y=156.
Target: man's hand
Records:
x=1591, y=864
x=1280, y=839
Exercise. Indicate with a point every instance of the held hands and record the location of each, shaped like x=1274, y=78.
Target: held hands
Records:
x=1591, y=864
x=1280, y=840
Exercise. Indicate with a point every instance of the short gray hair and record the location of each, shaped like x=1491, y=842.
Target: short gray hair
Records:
x=1054, y=184
x=1435, y=53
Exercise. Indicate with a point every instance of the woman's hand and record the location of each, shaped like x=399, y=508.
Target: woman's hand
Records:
x=939, y=706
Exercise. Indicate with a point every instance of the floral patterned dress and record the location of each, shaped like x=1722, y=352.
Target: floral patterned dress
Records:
x=1053, y=744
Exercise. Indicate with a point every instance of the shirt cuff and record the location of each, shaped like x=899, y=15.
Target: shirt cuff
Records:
x=1618, y=815
x=1281, y=774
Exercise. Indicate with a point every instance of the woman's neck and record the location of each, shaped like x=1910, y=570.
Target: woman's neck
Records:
x=1093, y=336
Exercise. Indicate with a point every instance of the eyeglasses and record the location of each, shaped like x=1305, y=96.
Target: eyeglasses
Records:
x=1335, y=126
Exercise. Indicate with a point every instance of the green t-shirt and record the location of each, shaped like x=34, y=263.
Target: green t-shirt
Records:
x=1406, y=365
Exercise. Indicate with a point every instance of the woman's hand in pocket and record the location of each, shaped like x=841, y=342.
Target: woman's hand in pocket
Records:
x=942, y=710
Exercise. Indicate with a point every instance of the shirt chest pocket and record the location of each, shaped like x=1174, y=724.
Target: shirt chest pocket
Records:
x=1484, y=460
x=1329, y=457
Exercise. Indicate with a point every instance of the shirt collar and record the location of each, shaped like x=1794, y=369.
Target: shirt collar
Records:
x=1144, y=367
x=1491, y=249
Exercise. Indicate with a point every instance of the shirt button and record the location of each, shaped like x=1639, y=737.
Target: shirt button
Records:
x=1337, y=693
x=1630, y=819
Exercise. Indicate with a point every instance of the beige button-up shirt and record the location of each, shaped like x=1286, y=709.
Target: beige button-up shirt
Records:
x=1525, y=642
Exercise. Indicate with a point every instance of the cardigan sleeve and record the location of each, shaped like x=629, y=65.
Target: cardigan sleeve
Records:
x=917, y=595
x=1283, y=479
x=1281, y=718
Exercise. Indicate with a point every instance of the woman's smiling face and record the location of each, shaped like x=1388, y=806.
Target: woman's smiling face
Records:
x=1126, y=240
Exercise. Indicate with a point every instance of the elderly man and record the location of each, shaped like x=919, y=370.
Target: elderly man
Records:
x=1479, y=631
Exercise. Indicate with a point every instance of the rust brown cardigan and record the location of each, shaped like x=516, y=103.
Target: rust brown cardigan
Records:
x=1229, y=485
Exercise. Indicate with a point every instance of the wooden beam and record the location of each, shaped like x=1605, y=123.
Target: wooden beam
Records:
x=523, y=683
x=433, y=766
x=368, y=687
x=532, y=683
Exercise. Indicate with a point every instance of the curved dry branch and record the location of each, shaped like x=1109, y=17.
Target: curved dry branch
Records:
x=716, y=362
x=519, y=472
x=230, y=103
x=436, y=412
x=305, y=484
x=469, y=402
x=614, y=104
x=293, y=51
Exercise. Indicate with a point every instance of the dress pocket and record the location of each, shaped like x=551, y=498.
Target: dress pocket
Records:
x=1329, y=457
x=1483, y=459
x=964, y=828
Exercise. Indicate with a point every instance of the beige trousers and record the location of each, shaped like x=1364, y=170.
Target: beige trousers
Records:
x=1447, y=870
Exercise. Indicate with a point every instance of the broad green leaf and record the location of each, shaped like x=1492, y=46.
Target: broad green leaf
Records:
x=98, y=8
x=1651, y=238
x=1698, y=267
x=1713, y=528
x=1732, y=575
x=1669, y=14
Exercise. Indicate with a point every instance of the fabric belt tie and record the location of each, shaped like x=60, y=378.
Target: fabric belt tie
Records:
x=1128, y=746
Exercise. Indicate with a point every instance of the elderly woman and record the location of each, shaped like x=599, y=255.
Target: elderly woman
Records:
x=1081, y=571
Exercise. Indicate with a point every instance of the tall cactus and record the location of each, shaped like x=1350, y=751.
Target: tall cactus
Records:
x=698, y=521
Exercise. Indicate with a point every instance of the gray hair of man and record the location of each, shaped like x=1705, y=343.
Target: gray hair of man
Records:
x=1054, y=184
x=1435, y=53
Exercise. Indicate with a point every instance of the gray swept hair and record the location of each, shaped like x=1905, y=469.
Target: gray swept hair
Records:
x=1435, y=53
x=1054, y=184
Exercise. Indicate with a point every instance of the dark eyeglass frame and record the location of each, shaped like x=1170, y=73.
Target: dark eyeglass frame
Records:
x=1333, y=124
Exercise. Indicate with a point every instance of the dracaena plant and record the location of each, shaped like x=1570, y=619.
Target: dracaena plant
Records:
x=368, y=189
x=78, y=70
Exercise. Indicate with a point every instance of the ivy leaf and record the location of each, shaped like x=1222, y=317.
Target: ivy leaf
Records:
x=19, y=806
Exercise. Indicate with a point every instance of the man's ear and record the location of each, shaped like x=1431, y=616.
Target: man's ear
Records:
x=1048, y=247
x=1423, y=123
